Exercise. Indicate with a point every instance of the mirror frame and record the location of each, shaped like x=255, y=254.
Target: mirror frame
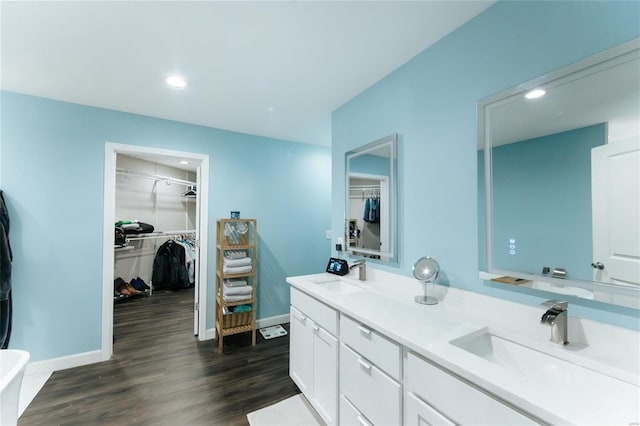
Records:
x=618, y=295
x=391, y=255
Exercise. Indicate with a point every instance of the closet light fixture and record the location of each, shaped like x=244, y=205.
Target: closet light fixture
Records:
x=535, y=93
x=184, y=162
x=176, y=81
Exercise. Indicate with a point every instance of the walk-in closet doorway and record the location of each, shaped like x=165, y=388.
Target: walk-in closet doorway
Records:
x=198, y=167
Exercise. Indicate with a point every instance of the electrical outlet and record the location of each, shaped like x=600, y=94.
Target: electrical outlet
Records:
x=327, y=235
x=340, y=240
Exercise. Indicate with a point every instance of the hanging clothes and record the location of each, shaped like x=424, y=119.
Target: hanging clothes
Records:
x=189, y=259
x=6, y=257
x=374, y=210
x=367, y=210
x=169, y=267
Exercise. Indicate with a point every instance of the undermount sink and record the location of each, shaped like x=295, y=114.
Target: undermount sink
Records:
x=336, y=284
x=533, y=364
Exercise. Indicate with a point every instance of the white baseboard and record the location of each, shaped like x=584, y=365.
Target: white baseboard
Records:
x=210, y=334
x=77, y=360
x=264, y=322
x=62, y=363
x=267, y=322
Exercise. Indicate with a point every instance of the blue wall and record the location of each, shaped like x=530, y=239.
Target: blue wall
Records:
x=369, y=164
x=542, y=199
x=51, y=166
x=431, y=103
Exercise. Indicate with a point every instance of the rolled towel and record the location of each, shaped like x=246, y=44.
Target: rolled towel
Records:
x=235, y=254
x=241, y=308
x=235, y=283
x=237, y=298
x=245, y=261
x=236, y=291
x=237, y=269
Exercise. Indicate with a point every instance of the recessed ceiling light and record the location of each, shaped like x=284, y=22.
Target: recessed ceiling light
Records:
x=176, y=81
x=184, y=162
x=536, y=93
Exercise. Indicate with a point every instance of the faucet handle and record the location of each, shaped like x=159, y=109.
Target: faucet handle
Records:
x=557, y=305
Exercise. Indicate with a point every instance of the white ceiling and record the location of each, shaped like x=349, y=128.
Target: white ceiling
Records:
x=607, y=94
x=275, y=69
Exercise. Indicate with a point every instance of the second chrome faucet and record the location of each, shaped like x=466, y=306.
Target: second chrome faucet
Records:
x=362, y=269
x=556, y=317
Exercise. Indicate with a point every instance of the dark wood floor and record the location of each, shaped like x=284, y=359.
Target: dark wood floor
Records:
x=161, y=375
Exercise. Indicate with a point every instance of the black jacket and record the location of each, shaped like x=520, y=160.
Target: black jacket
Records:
x=6, y=256
x=169, y=269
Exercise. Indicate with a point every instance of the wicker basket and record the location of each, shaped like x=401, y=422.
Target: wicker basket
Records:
x=236, y=320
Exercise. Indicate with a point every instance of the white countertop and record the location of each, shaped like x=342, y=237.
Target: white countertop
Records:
x=386, y=305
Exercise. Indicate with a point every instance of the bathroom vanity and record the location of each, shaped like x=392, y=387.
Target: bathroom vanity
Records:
x=363, y=352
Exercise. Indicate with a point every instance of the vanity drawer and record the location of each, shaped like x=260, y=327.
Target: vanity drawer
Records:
x=419, y=413
x=349, y=415
x=372, y=392
x=378, y=349
x=320, y=313
x=457, y=401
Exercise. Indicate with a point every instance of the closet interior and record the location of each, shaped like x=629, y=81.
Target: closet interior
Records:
x=365, y=197
x=155, y=235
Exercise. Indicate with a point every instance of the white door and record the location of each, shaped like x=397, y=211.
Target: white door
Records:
x=196, y=272
x=325, y=374
x=615, y=183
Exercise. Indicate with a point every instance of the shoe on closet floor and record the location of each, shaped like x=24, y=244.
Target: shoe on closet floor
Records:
x=138, y=284
x=146, y=287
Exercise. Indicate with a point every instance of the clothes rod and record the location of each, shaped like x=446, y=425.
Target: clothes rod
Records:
x=157, y=178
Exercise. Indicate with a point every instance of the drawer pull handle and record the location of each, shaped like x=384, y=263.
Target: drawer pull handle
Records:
x=300, y=317
x=362, y=421
x=364, y=331
x=364, y=364
x=315, y=327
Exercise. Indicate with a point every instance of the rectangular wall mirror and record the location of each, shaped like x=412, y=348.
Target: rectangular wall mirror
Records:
x=371, y=204
x=559, y=180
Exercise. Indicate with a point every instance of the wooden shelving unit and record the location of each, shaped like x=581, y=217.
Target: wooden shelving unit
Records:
x=234, y=235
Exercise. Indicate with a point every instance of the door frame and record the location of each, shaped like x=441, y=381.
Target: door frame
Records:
x=108, y=257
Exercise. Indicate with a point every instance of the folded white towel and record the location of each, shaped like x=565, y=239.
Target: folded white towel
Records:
x=236, y=291
x=237, y=269
x=235, y=283
x=237, y=298
x=238, y=262
x=235, y=254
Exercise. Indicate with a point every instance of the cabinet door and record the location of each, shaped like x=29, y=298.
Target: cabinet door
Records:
x=325, y=374
x=301, y=352
x=419, y=413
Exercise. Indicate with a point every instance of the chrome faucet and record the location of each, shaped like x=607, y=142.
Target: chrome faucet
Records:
x=556, y=316
x=362, y=269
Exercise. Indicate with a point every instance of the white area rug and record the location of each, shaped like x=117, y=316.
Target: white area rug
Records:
x=294, y=411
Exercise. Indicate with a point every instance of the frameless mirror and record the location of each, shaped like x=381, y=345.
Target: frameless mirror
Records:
x=559, y=180
x=371, y=204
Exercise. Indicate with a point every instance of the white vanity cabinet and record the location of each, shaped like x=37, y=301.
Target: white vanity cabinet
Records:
x=370, y=373
x=354, y=374
x=435, y=397
x=314, y=353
